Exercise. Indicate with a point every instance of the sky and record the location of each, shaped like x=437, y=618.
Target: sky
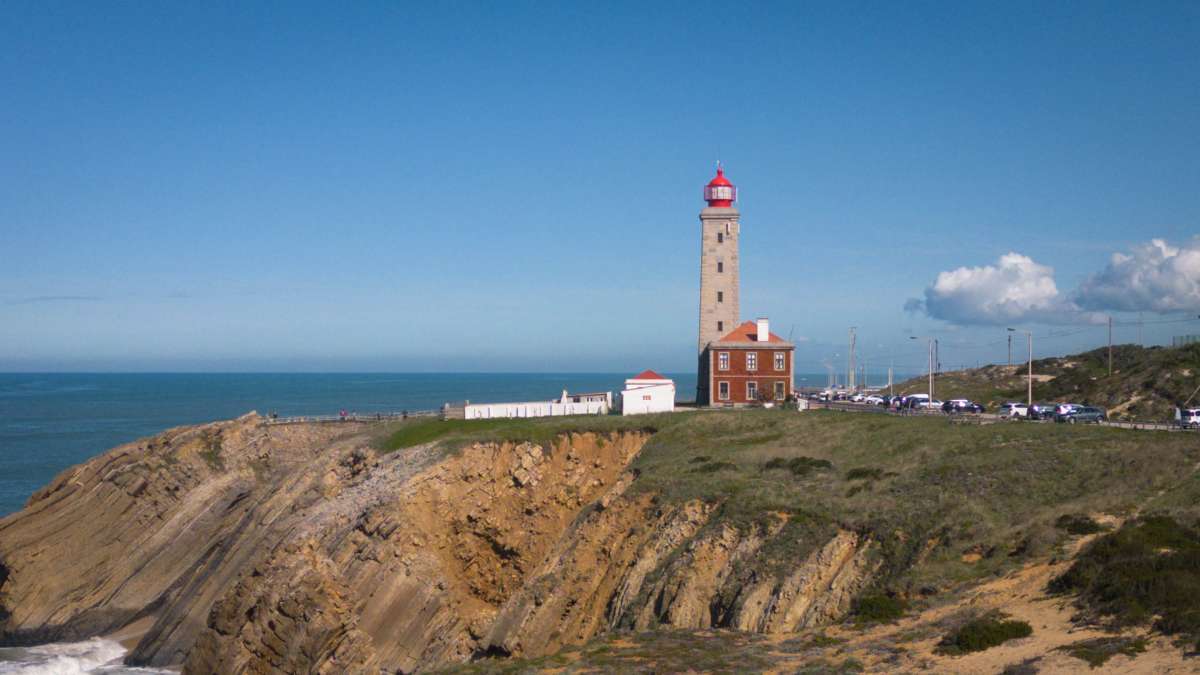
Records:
x=387, y=186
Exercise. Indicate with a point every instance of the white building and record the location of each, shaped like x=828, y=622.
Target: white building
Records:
x=648, y=392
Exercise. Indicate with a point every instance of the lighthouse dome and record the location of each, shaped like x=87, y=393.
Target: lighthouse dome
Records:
x=720, y=192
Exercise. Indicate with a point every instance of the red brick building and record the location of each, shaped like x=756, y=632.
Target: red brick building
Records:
x=746, y=366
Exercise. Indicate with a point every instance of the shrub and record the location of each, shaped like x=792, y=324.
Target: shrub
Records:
x=984, y=633
x=878, y=609
x=713, y=467
x=864, y=473
x=1078, y=524
x=1150, y=567
x=1098, y=651
x=800, y=466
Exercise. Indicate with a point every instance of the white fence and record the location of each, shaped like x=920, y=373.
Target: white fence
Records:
x=482, y=411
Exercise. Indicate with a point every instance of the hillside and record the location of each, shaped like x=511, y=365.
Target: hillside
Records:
x=735, y=540
x=1146, y=383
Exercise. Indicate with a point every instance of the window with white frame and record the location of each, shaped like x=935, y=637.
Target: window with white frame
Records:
x=722, y=360
x=780, y=361
x=723, y=391
x=780, y=391
x=751, y=360
x=751, y=391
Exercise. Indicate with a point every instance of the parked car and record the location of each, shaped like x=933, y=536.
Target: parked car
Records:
x=873, y=400
x=1043, y=411
x=857, y=398
x=1188, y=418
x=1083, y=414
x=930, y=405
x=1064, y=408
x=961, y=405
x=1014, y=411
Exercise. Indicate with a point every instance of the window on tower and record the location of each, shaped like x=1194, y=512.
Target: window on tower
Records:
x=720, y=237
x=720, y=296
x=720, y=266
x=720, y=325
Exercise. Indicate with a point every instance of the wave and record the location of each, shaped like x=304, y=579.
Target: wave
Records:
x=91, y=657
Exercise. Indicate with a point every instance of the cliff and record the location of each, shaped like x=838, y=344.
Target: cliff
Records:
x=241, y=546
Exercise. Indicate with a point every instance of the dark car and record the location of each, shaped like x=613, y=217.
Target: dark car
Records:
x=961, y=405
x=1083, y=414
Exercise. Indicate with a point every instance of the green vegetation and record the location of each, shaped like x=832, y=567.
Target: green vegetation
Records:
x=983, y=633
x=1078, y=524
x=864, y=473
x=455, y=433
x=1146, y=383
x=1148, y=568
x=925, y=490
x=870, y=609
x=211, y=452
x=1097, y=652
x=663, y=651
x=799, y=466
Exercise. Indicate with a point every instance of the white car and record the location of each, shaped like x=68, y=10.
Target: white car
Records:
x=873, y=400
x=1014, y=410
x=934, y=404
x=857, y=398
x=1188, y=418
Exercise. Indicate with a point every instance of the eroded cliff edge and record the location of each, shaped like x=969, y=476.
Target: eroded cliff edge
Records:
x=248, y=547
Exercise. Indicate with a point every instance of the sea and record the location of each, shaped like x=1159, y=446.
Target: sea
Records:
x=51, y=421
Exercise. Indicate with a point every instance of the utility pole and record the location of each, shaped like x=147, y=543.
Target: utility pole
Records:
x=1140, y=343
x=850, y=364
x=931, y=362
x=1029, y=335
x=1109, y=344
x=1010, y=348
x=890, y=392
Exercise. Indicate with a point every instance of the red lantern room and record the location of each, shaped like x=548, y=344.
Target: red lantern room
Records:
x=720, y=192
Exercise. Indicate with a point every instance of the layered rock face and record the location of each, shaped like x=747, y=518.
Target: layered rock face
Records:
x=254, y=548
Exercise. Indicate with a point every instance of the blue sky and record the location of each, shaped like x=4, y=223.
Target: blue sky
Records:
x=514, y=186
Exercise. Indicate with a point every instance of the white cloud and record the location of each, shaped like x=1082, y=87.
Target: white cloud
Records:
x=1155, y=277
x=1014, y=290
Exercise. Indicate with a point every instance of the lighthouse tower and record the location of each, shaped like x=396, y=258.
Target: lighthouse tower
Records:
x=719, y=223
x=718, y=260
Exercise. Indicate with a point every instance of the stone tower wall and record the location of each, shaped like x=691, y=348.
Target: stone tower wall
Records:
x=719, y=235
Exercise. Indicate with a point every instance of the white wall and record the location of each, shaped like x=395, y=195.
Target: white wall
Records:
x=479, y=411
x=647, y=396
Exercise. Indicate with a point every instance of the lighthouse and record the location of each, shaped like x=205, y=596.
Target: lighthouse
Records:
x=719, y=223
x=719, y=232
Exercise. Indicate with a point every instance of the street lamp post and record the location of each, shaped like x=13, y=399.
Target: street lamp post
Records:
x=1028, y=335
x=914, y=337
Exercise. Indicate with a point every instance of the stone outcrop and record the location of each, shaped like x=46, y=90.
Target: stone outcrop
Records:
x=248, y=547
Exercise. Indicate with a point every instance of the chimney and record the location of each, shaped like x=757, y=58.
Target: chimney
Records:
x=764, y=330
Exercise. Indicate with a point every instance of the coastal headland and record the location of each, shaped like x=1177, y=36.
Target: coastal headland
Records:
x=757, y=539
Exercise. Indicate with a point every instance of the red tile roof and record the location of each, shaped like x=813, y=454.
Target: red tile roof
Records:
x=648, y=375
x=747, y=332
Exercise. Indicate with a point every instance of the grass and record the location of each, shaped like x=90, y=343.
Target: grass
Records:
x=1149, y=568
x=923, y=489
x=983, y=633
x=419, y=431
x=1098, y=651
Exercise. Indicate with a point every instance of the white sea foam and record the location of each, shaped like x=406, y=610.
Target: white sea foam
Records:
x=91, y=657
